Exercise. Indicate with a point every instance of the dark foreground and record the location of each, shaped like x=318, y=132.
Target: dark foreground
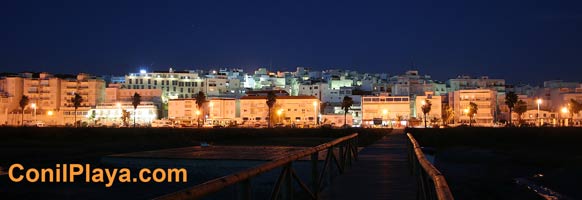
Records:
x=45, y=147
x=488, y=163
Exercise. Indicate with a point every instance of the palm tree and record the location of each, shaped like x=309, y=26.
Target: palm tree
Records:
x=23, y=102
x=426, y=106
x=510, y=100
x=135, y=101
x=520, y=108
x=76, y=100
x=346, y=105
x=472, y=111
x=574, y=107
x=271, y=100
x=448, y=114
x=200, y=100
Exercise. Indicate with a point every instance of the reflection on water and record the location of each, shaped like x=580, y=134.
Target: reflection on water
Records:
x=539, y=189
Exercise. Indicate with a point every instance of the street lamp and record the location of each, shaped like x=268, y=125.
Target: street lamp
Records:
x=33, y=105
x=211, y=104
x=198, y=117
x=564, y=111
x=50, y=113
x=279, y=113
x=384, y=113
x=539, y=101
x=315, y=111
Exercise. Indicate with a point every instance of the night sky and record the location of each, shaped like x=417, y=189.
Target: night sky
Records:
x=521, y=41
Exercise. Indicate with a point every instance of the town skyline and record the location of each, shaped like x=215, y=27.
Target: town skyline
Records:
x=250, y=69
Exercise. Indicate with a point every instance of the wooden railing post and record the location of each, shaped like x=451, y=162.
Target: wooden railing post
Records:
x=287, y=193
x=315, y=174
x=244, y=190
x=342, y=159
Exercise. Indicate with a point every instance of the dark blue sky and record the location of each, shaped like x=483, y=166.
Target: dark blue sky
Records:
x=522, y=41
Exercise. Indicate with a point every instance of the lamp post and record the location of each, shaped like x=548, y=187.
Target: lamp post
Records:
x=539, y=101
x=50, y=113
x=279, y=112
x=565, y=111
x=315, y=111
x=33, y=105
x=211, y=104
x=384, y=113
x=198, y=118
x=466, y=111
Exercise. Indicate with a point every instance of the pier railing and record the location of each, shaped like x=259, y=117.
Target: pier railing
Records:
x=345, y=147
x=431, y=183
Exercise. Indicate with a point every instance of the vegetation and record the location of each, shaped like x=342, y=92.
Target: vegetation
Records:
x=347, y=103
x=200, y=101
x=76, y=100
x=426, y=106
x=135, y=101
x=574, y=107
x=271, y=100
x=23, y=102
x=510, y=101
x=448, y=114
x=125, y=115
x=520, y=108
x=472, y=112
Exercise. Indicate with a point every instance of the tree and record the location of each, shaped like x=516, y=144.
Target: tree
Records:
x=426, y=106
x=93, y=117
x=200, y=101
x=76, y=100
x=510, y=101
x=23, y=102
x=472, y=111
x=520, y=108
x=135, y=101
x=574, y=107
x=271, y=100
x=347, y=103
x=448, y=114
x=125, y=115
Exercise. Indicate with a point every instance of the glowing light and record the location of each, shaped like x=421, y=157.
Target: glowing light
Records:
x=314, y=103
x=466, y=110
x=564, y=110
x=385, y=111
x=423, y=102
x=539, y=101
x=118, y=105
x=197, y=112
x=33, y=105
x=50, y=113
x=279, y=112
x=142, y=71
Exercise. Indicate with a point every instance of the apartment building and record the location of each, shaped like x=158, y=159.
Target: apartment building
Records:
x=486, y=105
x=288, y=110
x=217, y=111
x=435, y=109
x=385, y=110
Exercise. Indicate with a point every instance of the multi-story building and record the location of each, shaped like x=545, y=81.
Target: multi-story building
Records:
x=116, y=93
x=217, y=111
x=385, y=110
x=49, y=96
x=110, y=113
x=469, y=83
x=288, y=110
x=486, y=105
x=435, y=109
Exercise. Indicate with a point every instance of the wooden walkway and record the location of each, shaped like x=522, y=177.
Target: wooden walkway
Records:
x=381, y=173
